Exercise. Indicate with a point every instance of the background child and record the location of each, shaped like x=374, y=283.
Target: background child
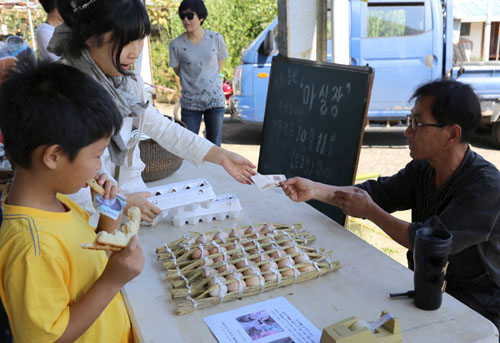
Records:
x=57, y=122
x=45, y=31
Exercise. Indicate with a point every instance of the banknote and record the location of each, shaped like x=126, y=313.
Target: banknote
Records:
x=265, y=182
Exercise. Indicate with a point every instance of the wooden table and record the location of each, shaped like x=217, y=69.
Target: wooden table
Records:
x=360, y=288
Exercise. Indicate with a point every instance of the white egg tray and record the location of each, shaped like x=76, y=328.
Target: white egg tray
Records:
x=224, y=205
x=178, y=194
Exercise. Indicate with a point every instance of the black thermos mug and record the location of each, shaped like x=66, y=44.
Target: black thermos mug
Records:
x=430, y=255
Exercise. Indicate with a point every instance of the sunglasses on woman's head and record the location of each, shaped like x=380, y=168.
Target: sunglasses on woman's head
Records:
x=189, y=15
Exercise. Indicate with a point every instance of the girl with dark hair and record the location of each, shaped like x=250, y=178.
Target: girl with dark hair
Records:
x=104, y=38
x=197, y=57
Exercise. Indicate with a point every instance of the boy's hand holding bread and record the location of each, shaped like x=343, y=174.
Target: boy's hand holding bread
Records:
x=120, y=239
x=103, y=185
x=125, y=265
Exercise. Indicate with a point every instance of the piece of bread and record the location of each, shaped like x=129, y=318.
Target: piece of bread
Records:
x=97, y=246
x=134, y=221
x=96, y=187
x=120, y=239
x=117, y=239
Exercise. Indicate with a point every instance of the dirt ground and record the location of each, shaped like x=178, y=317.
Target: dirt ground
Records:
x=384, y=152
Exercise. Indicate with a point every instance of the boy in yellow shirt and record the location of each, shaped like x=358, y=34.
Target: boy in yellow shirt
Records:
x=56, y=122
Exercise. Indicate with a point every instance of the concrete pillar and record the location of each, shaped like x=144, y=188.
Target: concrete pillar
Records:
x=487, y=34
x=340, y=21
x=302, y=29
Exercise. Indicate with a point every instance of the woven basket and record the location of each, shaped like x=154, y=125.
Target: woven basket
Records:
x=159, y=162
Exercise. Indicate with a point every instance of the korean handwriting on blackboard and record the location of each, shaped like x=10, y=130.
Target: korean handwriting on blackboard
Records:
x=328, y=96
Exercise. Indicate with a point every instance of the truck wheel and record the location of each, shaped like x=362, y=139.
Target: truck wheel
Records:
x=496, y=132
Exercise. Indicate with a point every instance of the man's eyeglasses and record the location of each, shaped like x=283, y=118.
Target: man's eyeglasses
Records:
x=413, y=123
x=189, y=15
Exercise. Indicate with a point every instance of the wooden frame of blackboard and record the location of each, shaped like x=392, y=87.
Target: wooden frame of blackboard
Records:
x=282, y=138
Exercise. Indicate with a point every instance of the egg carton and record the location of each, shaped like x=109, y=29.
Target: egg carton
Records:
x=222, y=207
x=179, y=194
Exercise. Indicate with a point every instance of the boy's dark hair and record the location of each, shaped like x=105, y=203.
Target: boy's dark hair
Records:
x=48, y=5
x=53, y=103
x=127, y=20
x=196, y=6
x=454, y=103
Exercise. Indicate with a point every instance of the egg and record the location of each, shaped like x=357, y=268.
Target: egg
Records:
x=270, y=277
x=287, y=244
x=288, y=272
x=302, y=259
x=220, y=289
x=248, y=271
x=249, y=230
x=291, y=251
x=264, y=227
x=213, y=250
x=257, y=259
x=208, y=272
x=233, y=233
x=201, y=239
x=264, y=240
x=252, y=281
x=222, y=269
x=218, y=259
x=285, y=263
x=308, y=268
x=207, y=262
x=232, y=286
x=228, y=267
x=237, y=283
x=241, y=264
x=221, y=235
x=265, y=266
x=196, y=254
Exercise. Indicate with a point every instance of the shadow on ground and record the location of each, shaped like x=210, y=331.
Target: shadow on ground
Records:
x=238, y=132
x=484, y=139
x=384, y=138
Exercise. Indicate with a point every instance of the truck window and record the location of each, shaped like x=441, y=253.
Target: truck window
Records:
x=389, y=20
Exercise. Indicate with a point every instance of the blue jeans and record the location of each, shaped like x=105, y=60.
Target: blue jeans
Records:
x=213, y=122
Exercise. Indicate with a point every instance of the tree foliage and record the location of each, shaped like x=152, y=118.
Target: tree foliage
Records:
x=239, y=22
x=16, y=21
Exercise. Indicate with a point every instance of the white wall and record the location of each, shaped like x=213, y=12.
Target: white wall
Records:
x=476, y=36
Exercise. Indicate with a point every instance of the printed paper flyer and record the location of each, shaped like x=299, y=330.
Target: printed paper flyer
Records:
x=271, y=321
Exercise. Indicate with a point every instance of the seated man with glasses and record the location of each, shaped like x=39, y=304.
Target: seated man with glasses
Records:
x=447, y=185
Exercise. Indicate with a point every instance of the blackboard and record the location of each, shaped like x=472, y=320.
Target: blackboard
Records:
x=314, y=123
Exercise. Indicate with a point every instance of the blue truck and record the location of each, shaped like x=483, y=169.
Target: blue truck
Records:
x=407, y=42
